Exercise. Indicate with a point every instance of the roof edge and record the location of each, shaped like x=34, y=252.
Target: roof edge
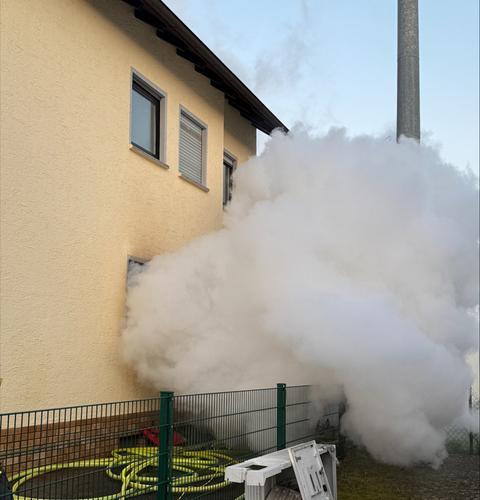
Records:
x=173, y=30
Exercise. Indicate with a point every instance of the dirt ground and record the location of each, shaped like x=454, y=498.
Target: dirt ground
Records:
x=362, y=478
x=359, y=477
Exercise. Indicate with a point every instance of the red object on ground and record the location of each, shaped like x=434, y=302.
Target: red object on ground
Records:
x=152, y=436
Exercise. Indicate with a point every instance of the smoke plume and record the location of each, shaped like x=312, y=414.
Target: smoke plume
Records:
x=348, y=263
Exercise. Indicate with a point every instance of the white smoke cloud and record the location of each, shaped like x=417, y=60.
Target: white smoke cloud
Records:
x=281, y=65
x=346, y=263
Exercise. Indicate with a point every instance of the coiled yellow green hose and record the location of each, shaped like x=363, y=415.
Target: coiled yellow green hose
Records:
x=199, y=471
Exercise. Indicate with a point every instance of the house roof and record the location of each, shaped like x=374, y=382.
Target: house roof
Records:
x=171, y=29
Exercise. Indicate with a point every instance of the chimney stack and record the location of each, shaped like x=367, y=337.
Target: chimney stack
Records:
x=408, y=91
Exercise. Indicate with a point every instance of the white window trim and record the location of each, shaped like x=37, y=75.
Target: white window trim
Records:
x=204, y=126
x=162, y=139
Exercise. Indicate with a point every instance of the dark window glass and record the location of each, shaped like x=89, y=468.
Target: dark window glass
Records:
x=145, y=119
x=135, y=268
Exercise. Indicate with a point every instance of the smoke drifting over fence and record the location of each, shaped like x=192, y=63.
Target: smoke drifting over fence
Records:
x=347, y=263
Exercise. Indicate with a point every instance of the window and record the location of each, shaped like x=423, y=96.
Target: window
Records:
x=134, y=269
x=146, y=118
x=192, y=152
x=229, y=164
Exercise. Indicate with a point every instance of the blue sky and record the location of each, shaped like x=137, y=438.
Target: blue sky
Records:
x=333, y=63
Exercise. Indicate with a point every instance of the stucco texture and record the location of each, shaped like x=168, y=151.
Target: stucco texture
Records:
x=76, y=201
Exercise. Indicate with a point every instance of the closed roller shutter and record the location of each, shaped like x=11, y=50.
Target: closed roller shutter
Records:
x=191, y=154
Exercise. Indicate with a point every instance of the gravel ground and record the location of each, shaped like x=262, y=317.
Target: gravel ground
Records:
x=362, y=478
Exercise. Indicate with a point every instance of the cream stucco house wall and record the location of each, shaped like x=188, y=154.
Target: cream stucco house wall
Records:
x=77, y=199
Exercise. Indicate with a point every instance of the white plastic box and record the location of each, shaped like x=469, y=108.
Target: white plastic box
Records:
x=315, y=469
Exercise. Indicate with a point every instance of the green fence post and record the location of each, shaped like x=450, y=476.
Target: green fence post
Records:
x=165, y=446
x=470, y=434
x=281, y=416
x=341, y=441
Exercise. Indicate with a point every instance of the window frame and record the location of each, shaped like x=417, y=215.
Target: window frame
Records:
x=230, y=162
x=158, y=97
x=184, y=111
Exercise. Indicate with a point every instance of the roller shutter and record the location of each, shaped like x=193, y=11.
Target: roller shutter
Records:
x=191, y=153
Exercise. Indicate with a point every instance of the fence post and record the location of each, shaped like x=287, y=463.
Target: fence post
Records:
x=165, y=446
x=341, y=445
x=281, y=416
x=470, y=435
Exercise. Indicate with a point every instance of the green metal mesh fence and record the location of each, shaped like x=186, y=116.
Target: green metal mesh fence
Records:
x=79, y=451
x=169, y=447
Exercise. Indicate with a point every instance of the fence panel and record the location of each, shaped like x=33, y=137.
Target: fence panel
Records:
x=80, y=451
x=216, y=430
x=306, y=421
x=461, y=440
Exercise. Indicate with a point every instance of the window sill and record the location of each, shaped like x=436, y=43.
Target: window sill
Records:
x=194, y=183
x=149, y=157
